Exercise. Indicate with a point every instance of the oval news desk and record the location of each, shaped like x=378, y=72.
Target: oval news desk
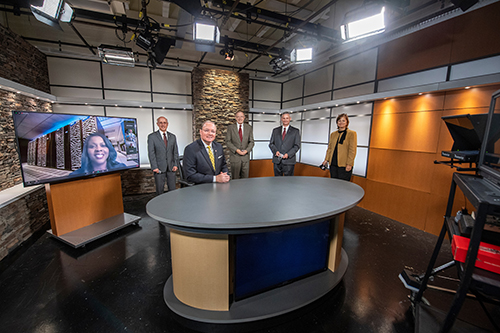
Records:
x=206, y=219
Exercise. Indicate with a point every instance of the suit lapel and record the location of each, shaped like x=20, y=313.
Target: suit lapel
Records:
x=237, y=133
x=245, y=133
x=161, y=142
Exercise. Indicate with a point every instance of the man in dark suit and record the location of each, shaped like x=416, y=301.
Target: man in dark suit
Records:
x=204, y=160
x=284, y=143
x=163, y=156
x=239, y=141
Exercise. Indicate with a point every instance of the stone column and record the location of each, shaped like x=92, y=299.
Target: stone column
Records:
x=217, y=96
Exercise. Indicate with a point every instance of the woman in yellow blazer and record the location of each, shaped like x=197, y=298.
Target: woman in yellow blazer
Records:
x=341, y=149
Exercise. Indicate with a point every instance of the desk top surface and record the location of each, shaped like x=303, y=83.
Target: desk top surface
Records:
x=254, y=203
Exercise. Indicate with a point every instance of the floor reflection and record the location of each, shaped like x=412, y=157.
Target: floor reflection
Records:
x=115, y=284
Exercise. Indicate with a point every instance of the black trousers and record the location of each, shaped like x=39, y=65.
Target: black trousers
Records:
x=340, y=173
x=281, y=169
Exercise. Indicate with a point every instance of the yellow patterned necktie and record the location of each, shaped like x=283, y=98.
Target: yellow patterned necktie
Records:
x=211, y=155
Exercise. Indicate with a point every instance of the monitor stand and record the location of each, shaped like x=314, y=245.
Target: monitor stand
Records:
x=82, y=211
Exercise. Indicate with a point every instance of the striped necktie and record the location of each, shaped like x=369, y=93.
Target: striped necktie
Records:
x=211, y=155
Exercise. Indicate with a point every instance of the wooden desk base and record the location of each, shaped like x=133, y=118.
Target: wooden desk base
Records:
x=265, y=305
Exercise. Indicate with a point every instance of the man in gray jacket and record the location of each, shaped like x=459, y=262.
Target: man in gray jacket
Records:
x=239, y=141
x=284, y=143
x=163, y=156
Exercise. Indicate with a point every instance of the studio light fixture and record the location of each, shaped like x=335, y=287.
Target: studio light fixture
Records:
x=205, y=34
x=301, y=56
x=229, y=55
x=53, y=11
x=115, y=55
x=363, y=22
x=227, y=52
x=144, y=40
x=279, y=64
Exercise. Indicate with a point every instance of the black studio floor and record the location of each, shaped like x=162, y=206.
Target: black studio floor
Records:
x=115, y=284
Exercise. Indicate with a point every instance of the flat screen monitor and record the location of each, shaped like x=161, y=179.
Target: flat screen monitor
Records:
x=489, y=160
x=56, y=147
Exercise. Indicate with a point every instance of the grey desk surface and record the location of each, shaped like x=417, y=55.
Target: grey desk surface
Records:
x=254, y=203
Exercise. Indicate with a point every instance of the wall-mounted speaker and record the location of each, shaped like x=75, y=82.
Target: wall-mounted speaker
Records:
x=464, y=4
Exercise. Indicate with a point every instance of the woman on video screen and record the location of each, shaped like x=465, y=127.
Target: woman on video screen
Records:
x=98, y=154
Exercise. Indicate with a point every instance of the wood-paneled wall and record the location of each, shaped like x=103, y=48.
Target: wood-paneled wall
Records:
x=470, y=36
x=408, y=135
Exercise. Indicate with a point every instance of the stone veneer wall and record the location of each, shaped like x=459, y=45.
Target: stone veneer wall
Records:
x=21, y=62
x=137, y=181
x=22, y=218
x=10, y=170
x=217, y=96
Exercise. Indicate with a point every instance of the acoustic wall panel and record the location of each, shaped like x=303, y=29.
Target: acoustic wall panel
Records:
x=78, y=109
x=164, y=98
x=291, y=104
x=476, y=34
x=315, y=131
x=127, y=96
x=261, y=151
x=318, y=81
x=475, y=68
x=171, y=81
x=76, y=92
x=317, y=114
x=126, y=78
x=360, y=162
x=362, y=89
x=266, y=91
x=313, y=154
x=355, y=70
x=350, y=110
x=318, y=98
x=412, y=80
x=293, y=89
x=421, y=50
x=263, y=125
x=267, y=105
x=72, y=72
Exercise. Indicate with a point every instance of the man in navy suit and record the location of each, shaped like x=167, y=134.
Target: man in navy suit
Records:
x=204, y=160
x=284, y=143
x=163, y=156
